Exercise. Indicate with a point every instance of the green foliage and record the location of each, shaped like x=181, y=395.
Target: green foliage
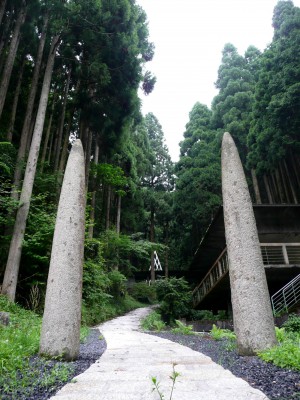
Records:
x=84, y=332
x=275, y=125
x=117, y=287
x=218, y=333
x=38, y=238
x=110, y=174
x=143, y=292
x=104, y=294
x=292, y=324
x=7, y=158
x=59, y=373
x=286, y=354
x=198, y=184
x=198, y=315
x=96, y=284
x=182, y=328
x=18, y=341
x=126, y=252
x=112, y=308
x=221, y=315
x=280, y=334
x=104, y=290
x=175, y=298
x=153, y=322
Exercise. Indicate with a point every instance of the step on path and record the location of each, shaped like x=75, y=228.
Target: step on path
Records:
x=132, y=358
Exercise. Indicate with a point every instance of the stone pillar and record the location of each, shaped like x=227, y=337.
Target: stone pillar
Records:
x=60, y=334
x=252, y=313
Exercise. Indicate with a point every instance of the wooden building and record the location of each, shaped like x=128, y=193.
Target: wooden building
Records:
x=279, y=235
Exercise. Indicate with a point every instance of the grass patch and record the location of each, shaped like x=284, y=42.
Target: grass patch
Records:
x=18, y=341
x=21, y=371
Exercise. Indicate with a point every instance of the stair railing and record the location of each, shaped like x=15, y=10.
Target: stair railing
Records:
x=286, y=297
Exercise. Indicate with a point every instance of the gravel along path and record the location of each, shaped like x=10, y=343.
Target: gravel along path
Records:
x=41, y=381
x=275, y=382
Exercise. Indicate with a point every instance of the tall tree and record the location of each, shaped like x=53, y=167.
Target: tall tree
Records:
x=198, y=184
x=29, y=110
x=160, y=176
x=13, y=263
x=232, y=107
x=274, y=134
x=12, y=53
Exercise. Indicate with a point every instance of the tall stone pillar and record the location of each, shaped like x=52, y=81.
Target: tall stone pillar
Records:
x=252, y=313
x=60, y=334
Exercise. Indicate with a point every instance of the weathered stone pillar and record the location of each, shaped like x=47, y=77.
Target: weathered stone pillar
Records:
x=252, y=313
x=60, y=334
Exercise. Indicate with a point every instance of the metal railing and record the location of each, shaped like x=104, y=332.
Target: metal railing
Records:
x=287, y=297
x=280, y=253
x=272, y=254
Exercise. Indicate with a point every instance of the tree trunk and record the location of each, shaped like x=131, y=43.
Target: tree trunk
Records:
x=84, y=135
x=286, y=191
x=62, y=122
x=4, y=40
x=273, y=187
x=167, y=252
x=28, y=115
x=152, y=240
x=15, y=103
x=14, y=256
x=64, y=152
x=118, y=215
x=31, y=128
x=280, y=190
x=46, y=141
x=152, y=267
x=108, y=207
x=93, y=200
x=296, y=170
x=11, y=56
x=255, y=187
x=265, y=178
x=295, y=200
x=51, y=146
x=88, y=157
x=2, y=9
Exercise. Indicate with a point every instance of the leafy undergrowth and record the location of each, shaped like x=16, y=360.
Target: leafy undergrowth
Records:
x=287, y=353
x=182, y=328
x=21, y=370
x=153, y=322
x=219, y=334
x=19, y=342
x=111, y=308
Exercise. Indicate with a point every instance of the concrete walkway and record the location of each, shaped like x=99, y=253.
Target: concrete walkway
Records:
x=125, y=369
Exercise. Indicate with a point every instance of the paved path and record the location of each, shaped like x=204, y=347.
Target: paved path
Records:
x=125, y=369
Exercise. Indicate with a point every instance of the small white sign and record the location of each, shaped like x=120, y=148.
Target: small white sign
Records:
x=157, y=264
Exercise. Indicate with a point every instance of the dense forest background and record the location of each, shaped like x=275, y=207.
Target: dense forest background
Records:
x=74, y=68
